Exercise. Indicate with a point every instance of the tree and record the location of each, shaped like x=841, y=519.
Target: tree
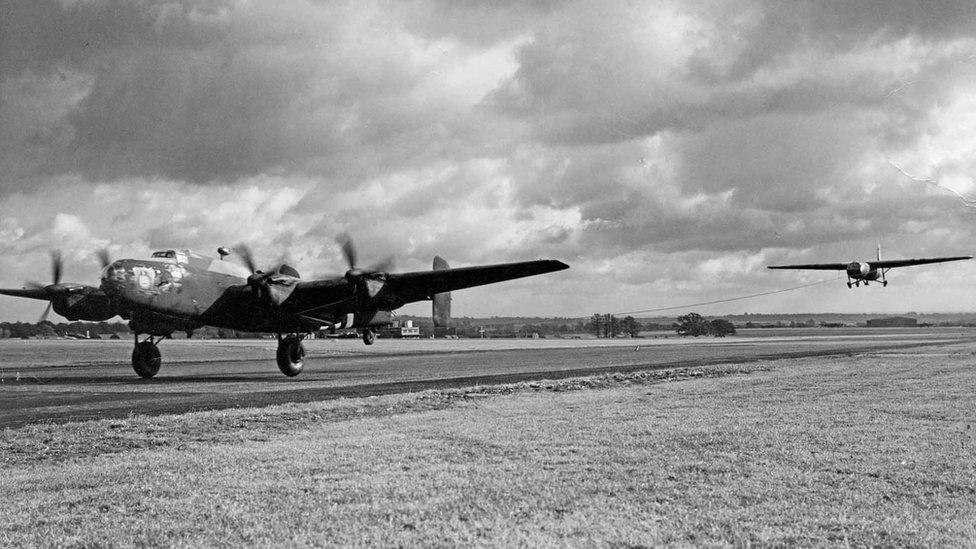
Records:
x=692, y=324
x=721, y=327
x=595, y=324
x=630, y=326
x=45, y=328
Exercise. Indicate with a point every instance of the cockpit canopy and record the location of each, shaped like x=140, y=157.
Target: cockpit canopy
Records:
x=174, y=255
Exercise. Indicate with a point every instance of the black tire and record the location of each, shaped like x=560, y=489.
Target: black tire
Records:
x=369, y=336
x=291, y=356
x=146, y=359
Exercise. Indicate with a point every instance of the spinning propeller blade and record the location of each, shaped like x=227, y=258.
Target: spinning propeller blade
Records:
x=49, y=291
x=57, y=269
x=57, y=266
x=104, y=258
x=349, y=252
x=47, y=310
x=348, y=249
x=248, y=258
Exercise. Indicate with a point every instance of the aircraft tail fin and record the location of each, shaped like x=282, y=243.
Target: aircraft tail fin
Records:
x=441, y=308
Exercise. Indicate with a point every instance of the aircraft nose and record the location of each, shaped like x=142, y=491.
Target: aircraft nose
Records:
x=113, y=277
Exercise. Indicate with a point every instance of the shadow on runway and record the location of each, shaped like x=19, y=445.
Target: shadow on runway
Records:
x=163, y=379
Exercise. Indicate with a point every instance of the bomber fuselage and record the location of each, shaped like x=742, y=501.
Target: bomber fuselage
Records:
x=173, y=287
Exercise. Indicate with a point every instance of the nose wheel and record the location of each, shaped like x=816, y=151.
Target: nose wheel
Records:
x=146, y=358
x=291, y=355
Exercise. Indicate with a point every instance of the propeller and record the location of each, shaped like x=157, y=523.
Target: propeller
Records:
x=75, y=301
x=245, y=252
x=355, y=275
x=104, y=258
x=272, y=287
x=57, y=266
x=57, y=269
x=348, y=249
x=368, y=283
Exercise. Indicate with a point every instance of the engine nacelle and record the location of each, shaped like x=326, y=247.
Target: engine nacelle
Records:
x=365, y=319
x=376, y=294
x=94, y=307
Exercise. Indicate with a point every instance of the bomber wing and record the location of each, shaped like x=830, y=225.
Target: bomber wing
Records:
x=239, y=306
x=422, y=285
x=33, y=293
x=892, y=263
x=339, y=296
x=317, y=300
x=814, y=266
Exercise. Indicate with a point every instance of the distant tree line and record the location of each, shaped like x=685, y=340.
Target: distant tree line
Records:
x=20, y=330
x=47, y=328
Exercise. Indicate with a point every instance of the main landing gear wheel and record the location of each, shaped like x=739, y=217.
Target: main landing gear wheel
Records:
x=146, y=358
x=369, y=336
x=291, y=355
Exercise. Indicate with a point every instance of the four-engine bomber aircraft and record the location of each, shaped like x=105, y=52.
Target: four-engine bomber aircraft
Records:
x=182, y=291
x=863, y=271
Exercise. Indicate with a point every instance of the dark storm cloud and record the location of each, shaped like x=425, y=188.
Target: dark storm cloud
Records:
x=474, y=21
x=939, y=19
x=571, y=101
x=757, y=156
x=838, y=26
x=437, y=195
x=566, y=176
x=217, y=92
x=599, y=78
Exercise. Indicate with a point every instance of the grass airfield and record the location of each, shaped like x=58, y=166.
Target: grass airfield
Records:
x=868, y=449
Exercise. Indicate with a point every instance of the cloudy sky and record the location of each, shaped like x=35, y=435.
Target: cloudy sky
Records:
x=666, y=150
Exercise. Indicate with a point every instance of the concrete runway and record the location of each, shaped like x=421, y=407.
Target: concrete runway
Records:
x=58, y=388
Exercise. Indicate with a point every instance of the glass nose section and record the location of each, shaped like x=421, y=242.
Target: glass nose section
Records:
x=108, y=272
x=113, y=276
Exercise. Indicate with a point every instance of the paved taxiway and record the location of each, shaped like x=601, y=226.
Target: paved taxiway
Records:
x=59, y=389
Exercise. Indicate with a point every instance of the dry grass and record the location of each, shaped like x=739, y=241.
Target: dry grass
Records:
x=869, y=450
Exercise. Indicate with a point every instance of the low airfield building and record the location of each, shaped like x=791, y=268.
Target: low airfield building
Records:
x=400, y=330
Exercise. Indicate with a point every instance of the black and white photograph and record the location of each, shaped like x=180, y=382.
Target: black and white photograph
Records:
x=650, y=273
